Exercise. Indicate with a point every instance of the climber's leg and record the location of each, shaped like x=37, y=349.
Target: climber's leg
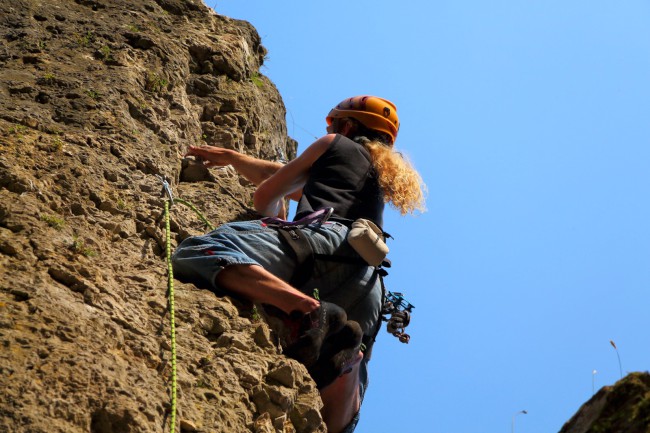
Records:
x=259, y=285
x=342, y=400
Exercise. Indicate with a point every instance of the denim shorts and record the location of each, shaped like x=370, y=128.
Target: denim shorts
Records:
x=355, y=288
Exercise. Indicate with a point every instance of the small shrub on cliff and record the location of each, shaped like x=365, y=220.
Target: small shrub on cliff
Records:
x=18, y=130
x=255, y=314
x=155, y=83
x=92, y=94
x=123, y=204
x=87, y=39
x=48, y=78
x=105, y=53
x=53, y=221
x=255, y=78
x=79, y=247
x=57, y=145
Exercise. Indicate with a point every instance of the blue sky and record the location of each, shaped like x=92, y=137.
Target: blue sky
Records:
x=529, y=122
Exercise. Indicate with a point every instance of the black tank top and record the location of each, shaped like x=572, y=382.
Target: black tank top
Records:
x=343, y=178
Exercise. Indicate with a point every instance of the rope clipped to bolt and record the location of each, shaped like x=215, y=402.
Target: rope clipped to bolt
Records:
x=169, y=201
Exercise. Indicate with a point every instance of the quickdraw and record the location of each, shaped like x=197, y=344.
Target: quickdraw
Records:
x=399, y=310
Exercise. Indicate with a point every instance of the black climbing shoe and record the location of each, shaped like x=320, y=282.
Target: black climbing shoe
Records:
x=338, y=353
x=315, y=327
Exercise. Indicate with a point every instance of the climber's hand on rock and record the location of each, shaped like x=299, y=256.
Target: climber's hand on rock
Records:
x=212, y=156
x=254, y=169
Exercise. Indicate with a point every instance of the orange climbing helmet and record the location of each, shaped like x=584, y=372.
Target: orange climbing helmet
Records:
x=371, y=111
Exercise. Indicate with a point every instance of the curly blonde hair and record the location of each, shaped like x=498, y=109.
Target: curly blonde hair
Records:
x=401, y=184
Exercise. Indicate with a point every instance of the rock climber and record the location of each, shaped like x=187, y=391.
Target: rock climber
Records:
x=354, y=170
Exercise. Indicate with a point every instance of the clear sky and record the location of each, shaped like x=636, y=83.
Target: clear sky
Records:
x=530, y=123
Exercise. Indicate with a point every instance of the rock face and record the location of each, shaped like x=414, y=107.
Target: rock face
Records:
x=97, y=99
x=621, y=408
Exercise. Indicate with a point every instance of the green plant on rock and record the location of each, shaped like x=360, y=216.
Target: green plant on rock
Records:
x=255, y=314
x=105, y=52
x=53, y=221
x=257, y=80
x=92, y=94
x=49, y=77
x=123, y=204
x=18, y=133
x=87, y=39
x=57, y=144
x=155, y=83
x=79, y=246
x=18, y=130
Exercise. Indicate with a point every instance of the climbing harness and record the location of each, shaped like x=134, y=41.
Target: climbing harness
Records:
x=291, y=234
x=168, y=202
x=396, y=311
x=399, y=310
x=320, y=216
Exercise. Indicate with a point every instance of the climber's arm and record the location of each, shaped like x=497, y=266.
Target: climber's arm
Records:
x=289, y=180
x=255, y=170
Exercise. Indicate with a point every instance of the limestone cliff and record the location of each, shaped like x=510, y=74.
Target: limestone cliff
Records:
x=97, y=99
x=621, y=408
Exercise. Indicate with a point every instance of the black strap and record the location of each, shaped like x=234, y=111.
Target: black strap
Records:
x=341, y=259
x=369, y=340
x=305, y=257
x=305, y=261
x=303, y=253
